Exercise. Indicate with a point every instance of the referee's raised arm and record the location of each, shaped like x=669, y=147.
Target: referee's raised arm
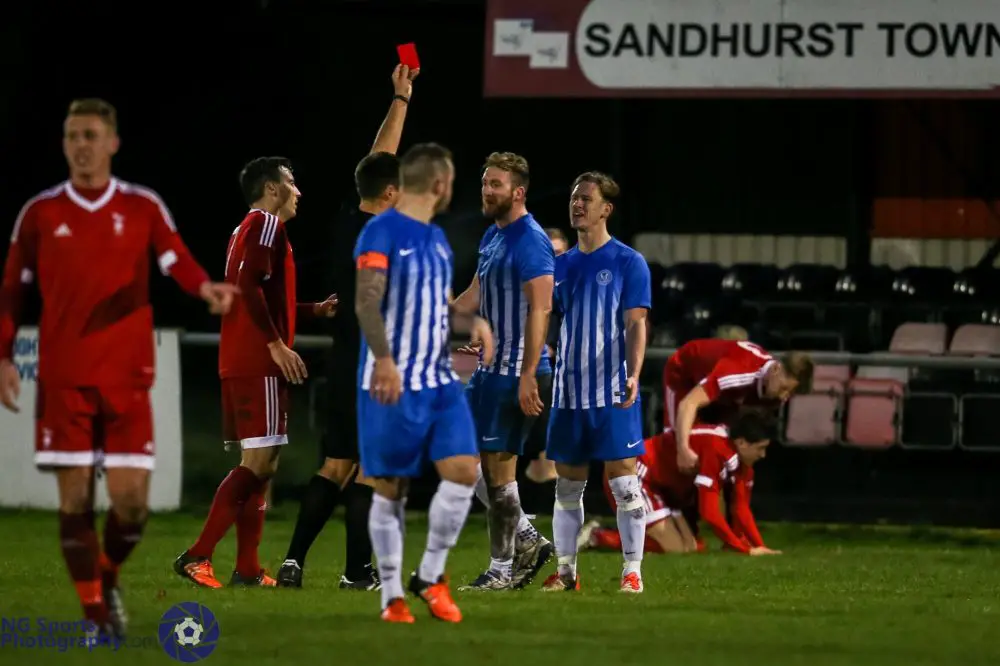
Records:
x=391, y=130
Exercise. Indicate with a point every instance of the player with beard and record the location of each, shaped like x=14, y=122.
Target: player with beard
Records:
x=338, y=479
x=512, y=290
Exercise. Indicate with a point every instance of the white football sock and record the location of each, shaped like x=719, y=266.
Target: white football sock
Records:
x=631, y=519
x=449, y=509
x=567, y=520
x=387, y=542
x=526, y=532
x=482, y=492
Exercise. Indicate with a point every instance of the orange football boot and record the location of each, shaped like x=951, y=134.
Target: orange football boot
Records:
x=398, y=611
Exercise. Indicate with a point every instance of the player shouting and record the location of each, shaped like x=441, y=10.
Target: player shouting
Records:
x=411, y=406
x=96, y=355
x=726, y=373
x=602, y=295
x=256, y=364
x=512, y=290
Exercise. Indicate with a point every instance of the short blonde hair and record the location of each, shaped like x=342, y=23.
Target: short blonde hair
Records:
x=92, y=106
x=513, y=164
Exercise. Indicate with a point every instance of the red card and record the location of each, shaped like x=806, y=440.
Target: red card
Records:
x=408, y=55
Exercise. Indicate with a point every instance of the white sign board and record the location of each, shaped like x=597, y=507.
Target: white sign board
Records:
x=22, y=485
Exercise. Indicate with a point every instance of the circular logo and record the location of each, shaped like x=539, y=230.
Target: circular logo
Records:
x=188, y=632
x=604, y=277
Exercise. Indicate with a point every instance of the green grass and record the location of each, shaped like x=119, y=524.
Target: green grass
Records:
x=851, y=596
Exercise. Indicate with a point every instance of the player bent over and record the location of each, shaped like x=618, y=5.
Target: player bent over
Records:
x=726, y=374
x=726, y=456
x=96, y=355
x=256, y=364
x=411, y=406
x=602, y=295
x=512, y=291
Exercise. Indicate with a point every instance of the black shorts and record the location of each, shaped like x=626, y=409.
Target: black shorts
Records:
x=340, y=436
x=535, y=444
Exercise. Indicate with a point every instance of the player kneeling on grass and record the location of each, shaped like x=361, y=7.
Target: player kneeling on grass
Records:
x=411, y=404
x=726, y=462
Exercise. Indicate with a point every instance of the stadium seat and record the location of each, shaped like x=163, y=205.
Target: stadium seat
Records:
x=854, y=310
x=744, y=286
x=887, y=373
x=930, y=420
x=919, y=338
x=814, y=418
x=978, y=421
x=837, y=373
x=682, y=284
x=976, y=340
x=872, y=412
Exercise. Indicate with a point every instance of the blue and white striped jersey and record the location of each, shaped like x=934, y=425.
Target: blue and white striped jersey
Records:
x=592, y=293
x=508, y=258
x=419, y=263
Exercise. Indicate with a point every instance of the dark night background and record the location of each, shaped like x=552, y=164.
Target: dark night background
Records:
x=201, y=88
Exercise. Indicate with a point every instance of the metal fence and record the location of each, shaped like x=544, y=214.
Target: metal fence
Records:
x=962, y=415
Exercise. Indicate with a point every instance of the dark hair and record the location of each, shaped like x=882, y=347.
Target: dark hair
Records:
x=257, y=173
x=606, y=184
x=753, y=425
x=376, y=172
x=421, y=164
x=513, y=164
x=92, y=106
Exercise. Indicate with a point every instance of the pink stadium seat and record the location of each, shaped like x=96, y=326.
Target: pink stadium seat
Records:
x=976, y=340
x=917, y=338
x=464, y=365
x=872, y=412
x=840, y=373
x=812, y=418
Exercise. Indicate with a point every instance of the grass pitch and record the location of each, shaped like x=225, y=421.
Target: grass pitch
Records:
x=848, y=596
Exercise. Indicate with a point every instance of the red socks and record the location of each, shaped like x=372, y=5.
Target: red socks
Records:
x=249, y=528
x=230, y=501
x=609, y=539
x=120, y=539
x=81, y=550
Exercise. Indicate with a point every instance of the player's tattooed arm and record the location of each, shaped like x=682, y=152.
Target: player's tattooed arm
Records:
x=368, y=308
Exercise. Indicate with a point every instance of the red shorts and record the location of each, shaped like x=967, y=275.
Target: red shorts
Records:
x=255, y=411
x=88, y=427
x=656, y=507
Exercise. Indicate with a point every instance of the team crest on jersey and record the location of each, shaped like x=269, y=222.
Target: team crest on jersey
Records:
x=604, y=277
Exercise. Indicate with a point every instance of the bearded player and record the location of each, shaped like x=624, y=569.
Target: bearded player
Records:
x=726, y=461
x=512, y=290
x=726, y=374
x=96, y=355
x=256, y=364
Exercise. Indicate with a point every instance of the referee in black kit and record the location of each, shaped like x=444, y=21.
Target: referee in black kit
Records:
x=376, y=179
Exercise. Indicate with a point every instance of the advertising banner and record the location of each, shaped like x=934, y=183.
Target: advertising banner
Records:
x=660, y=48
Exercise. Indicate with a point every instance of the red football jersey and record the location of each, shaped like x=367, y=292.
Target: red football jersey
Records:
x=731, y=369
x=89, y=254
x=718, y=466
x=260, y=262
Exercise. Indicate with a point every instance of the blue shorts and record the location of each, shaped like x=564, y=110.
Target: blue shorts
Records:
x=578, y=436
x=429, y=425
x=501, y=426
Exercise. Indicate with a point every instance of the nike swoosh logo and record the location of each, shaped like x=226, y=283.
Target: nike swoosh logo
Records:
x=560, y=282
x=410, y=251
x=633, y=444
